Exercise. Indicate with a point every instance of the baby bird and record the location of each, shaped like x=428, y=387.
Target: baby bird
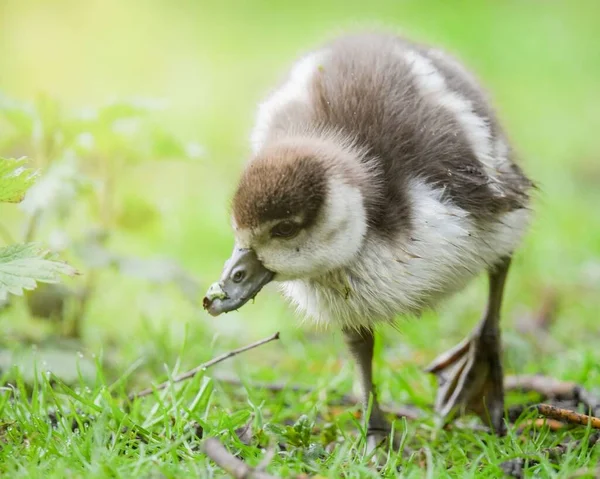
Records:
x=380, y=182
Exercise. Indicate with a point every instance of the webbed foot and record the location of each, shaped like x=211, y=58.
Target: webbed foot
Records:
x=470, y=379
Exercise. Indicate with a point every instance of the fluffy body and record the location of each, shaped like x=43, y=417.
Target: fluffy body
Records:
x=443, y=251
x=421, y=194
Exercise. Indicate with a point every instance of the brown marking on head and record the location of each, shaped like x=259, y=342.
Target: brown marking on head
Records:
x=283, y=181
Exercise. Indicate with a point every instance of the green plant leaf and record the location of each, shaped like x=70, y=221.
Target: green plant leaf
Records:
x=15, y=179
x=22, y=266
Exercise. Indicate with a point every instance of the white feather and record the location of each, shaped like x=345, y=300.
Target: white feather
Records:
x=454, y=64
x=446, y=249
x=431, y=84
x=294, y=90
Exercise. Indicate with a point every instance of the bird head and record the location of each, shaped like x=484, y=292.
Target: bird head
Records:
x=298, y=213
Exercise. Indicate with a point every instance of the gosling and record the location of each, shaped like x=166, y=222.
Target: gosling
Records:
x=380, y=182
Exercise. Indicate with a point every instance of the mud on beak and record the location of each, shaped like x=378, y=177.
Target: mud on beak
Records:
x=242, y=278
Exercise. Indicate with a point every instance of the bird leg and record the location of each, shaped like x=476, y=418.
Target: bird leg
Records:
x=360, y=344
x=470, y=375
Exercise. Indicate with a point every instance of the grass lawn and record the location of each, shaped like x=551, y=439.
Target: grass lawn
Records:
x=213, y=61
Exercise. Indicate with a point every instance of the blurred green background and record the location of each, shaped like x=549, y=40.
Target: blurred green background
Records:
x=138, y=112
x=210, y=62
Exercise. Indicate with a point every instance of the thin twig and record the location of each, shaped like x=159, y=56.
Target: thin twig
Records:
x=569, y=395
x=192, y=372
x=234, y=466
x=566, y=415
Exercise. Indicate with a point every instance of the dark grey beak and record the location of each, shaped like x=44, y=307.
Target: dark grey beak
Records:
x=242, y=278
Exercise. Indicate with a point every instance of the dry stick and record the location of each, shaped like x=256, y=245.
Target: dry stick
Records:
x=566, y=415
x=234, y=466
x=192, y=372
x=550, y=388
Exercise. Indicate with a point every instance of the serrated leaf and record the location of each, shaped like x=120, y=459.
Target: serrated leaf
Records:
x=15, y=179
x=22, y=266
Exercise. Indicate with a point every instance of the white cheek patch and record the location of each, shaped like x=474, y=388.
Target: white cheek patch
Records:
x=329, y=244
x=296, y=89
x=445, y=249
x=431, y=84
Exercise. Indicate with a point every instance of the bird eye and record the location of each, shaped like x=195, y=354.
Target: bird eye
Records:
x=285, y=229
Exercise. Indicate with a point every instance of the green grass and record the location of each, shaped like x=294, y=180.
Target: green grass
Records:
x=214, y=61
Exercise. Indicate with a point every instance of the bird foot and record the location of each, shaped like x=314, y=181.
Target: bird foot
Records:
x=470, y=379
